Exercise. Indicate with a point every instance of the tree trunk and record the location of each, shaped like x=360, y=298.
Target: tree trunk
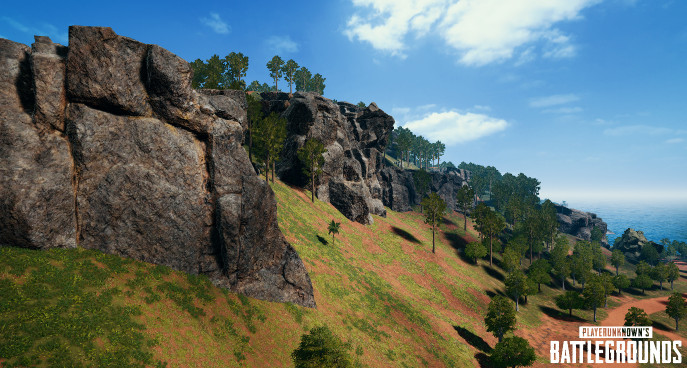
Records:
x=661, y=284
x=563, y=282
x=433, y=239
x=490, y=250
x=671, y=284
x=616, y=270
x=531, y=252
x=517, y=303
x=677, y=328
x=465, y=228
x=539, y=286
x=570, y=314
x=594, y=313
x=273, y=166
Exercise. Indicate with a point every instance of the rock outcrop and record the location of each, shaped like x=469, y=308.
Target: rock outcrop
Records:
x=632, y=242
x=354, y=139
x=579, y=223
x=105, y=145
x=400, y=194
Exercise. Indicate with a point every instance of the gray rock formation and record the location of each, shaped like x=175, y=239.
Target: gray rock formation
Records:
x=106, y=146
x=399, y=192
x=632, y=242
x=579, y=223
x=353, y=138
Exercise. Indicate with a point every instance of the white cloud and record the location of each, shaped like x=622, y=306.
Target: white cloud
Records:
x=216, y=23
x=675, y=140
x=553, y=100
x=453, y=127
x=281, y=44
x=481, y=31
x=44, y=30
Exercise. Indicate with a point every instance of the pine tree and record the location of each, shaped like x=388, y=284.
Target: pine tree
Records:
x=311, y=157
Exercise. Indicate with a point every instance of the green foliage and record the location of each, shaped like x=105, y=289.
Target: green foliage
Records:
x=320, y=348
x=513, y=352
x=422, y=180
x=643, y=268
x=539, y=272
x=475, y=250
x=649, y=254
x=582, y=262
x=517, y=285
x=311, y=157
x=434, y=209
x=303, y=79
x=465, y=199
x=598, y=257
x=597, y=235
x=500, y=316
x=489, y=223
x=660, y=273
x=676, y=308
x=643, y=281
x=569, y=301
x=559, y=259
x=621, y=282
x=275, y=66
x=361, y=105
x=617, y=259
x=510, y=261
x=334, y=228
x=637, y=317
x=289, y=71
x=216, y=73
x=270, y=133
x=257, y=87
x=317, y=83
x=594, y=294
x=673, y=273
x=237, y=66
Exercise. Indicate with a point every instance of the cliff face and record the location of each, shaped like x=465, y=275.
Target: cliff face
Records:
x=353, y=138
x=579, y=223
x=105, y=145
x=632, y=242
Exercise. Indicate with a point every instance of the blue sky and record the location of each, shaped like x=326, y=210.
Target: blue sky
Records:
x=588, y=96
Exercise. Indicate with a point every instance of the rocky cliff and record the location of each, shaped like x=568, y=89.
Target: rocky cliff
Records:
x=354, y=139
x=579, y=223
x=632, y=242
x=105, y=145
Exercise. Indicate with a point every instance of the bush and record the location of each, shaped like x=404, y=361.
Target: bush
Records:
x=321, y=348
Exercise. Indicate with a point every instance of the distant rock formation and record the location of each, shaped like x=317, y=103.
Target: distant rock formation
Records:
x=399, y=192
x=105, y=145
x=579, y=223
x=632, y=242
x=354, y=138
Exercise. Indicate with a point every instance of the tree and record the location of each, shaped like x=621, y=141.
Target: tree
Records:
x=302, y=79
x=621, y=282
x=598, y=258
x=517, y=286
x=673, y=273
x=289, y=71
x=659, y=273
x=464, y=200
x=597, y=235
x=676, y=308
x=255, y=115
x=421, y=179
x=475, y=250
x=489, y=224
x=275, y=67
x=643, y=268
x=539, y=272
x=636, y=317
x=549, y=222
x=513, y=352
x=321, y=348
x=594, y=294
x=617, y=259
x=311, y=157
x=209, y=73
x=559, y=259
x=643, y=281
x=435, y=207
x=500, y=316
x=581, y=262
x=570, y=300
x=270, y=134
x=318, y=83
x=510, y=259
x=607, y=281
x=334, y=228
x=649, y=254
x=236, y=68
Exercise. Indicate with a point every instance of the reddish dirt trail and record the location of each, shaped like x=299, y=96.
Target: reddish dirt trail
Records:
x=616, y=316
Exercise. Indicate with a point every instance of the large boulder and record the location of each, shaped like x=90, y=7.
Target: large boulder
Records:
x=632, y=242
x=105, y=145
x=354, y=138
x=579, y=223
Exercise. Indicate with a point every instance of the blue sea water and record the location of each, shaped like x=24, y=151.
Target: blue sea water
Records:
x=657, y=219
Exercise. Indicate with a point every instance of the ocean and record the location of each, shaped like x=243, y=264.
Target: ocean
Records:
x=657, y=219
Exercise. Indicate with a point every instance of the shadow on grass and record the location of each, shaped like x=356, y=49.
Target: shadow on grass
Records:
x=472, y=339
x=493, y=273
x=322, y=240
x=663, y=326
x=493, y=293
x=484, y=360
x=445, y=221
x=559, y=315
x=405, y=235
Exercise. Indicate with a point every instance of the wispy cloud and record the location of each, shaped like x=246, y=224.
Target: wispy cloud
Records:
x=216, y=23
x=553, y=100
x=675, y=140
x=44, y=29
x=563, y=110
x=453, y=127
x=281, y=44
x=481, y=32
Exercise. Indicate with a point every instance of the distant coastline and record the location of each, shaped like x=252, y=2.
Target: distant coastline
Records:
x=657, y=219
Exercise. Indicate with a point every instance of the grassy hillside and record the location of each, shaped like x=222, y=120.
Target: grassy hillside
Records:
x=378, y=287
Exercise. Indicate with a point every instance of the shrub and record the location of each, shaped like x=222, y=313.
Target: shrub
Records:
x=321, y=348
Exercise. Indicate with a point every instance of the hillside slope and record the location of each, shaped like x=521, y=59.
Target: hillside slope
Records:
x=378, y=287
